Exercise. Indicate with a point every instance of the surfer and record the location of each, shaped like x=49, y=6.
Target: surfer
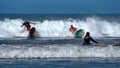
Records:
x=88, y=38
x=78, y=33
x=32, y=33
x=72, y=29
x=27, y=25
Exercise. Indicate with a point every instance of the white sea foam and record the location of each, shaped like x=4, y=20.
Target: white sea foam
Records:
x=55, y=51
x=60, y=28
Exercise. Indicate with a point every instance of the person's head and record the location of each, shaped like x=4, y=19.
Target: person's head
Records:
x=71, y=26
x=87, y=33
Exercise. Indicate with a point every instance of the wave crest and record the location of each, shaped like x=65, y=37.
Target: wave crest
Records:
x=60, y=28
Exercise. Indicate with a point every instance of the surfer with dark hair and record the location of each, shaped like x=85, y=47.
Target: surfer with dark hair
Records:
x=88, y=38
x=32, y=33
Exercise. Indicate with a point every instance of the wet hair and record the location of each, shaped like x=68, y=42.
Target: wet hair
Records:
x=71, y=25
x=87, y=33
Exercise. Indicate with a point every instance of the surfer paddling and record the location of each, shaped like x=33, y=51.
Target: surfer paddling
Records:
x=88, y=38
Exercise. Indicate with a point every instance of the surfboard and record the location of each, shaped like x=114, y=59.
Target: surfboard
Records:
x=32, y=33
x=79, y=33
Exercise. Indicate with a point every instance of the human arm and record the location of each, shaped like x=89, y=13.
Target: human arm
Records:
x=32, y=23
x=93, y=40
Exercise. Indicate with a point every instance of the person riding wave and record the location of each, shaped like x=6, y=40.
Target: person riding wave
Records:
x=72, y=29
x=27, y=25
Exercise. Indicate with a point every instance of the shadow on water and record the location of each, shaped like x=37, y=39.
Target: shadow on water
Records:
x=54, y=41
x=41, y=41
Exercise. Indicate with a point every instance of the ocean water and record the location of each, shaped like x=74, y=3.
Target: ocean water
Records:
x=54, y=46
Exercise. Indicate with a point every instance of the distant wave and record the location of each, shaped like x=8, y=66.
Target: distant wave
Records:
x=60, y=28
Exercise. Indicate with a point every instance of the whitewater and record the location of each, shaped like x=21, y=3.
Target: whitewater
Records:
x=53, y=40
x=57, y=48
x=60, y=28
x=60, y=52
x=54, y=46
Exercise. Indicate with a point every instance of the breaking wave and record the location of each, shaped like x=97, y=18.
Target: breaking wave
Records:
x=56, y=51
x=60, y=28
